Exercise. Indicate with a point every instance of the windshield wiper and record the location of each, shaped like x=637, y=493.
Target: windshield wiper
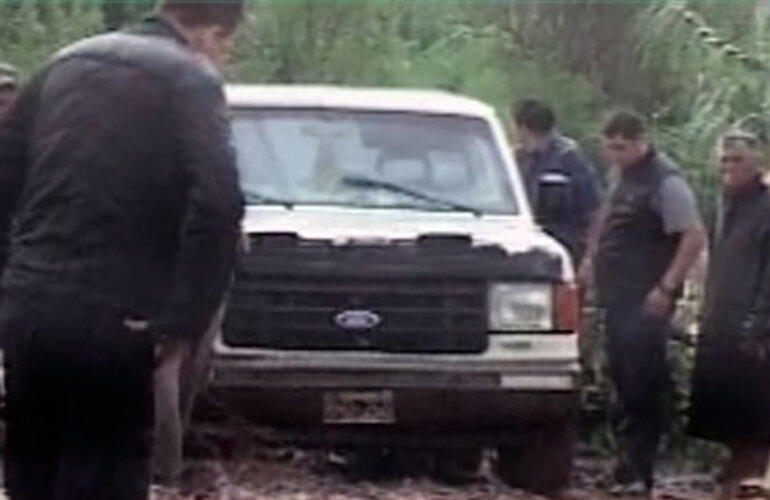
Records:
x=369, y=183
x=253, y=197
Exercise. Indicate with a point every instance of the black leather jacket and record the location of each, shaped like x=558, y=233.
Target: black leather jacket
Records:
x=118, y=185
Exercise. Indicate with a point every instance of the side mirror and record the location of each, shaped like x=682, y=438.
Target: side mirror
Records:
x=554, y=200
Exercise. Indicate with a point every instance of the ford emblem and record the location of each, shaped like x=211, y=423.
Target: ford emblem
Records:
x=357, y=320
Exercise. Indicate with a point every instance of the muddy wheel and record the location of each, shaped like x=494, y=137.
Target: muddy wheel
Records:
x=542, y=461
x=367, y=464
x=460, y=466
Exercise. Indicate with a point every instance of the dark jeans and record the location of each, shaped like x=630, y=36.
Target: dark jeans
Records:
x=79, y=405
x=636, y=351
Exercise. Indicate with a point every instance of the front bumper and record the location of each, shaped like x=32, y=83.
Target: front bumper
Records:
x=295, y=373
x=534, y=363
x=479, y=399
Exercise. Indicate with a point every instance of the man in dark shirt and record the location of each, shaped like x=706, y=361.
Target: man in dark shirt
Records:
x=119, y=215
x=649, y=237
x=730, y=401
x=561, y=184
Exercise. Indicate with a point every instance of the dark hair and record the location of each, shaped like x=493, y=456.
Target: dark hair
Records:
x=535, y=115
x=625, y=123
x=194, y=14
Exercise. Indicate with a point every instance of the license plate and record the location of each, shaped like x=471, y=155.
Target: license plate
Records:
x=358, y=407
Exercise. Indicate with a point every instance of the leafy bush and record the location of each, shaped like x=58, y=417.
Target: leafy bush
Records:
x=715, y=59
x=425, y=45
x=30, y=32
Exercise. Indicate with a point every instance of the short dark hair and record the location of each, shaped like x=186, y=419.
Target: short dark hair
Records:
x=535, y=115
x=197, y=13
x=625, y=123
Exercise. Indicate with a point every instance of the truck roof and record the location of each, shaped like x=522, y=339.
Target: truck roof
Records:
x=357, y=98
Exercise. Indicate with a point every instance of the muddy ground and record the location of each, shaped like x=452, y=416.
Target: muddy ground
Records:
x=297, y=475
x=293, y=475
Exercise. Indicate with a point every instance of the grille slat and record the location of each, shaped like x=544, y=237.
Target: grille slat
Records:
x=417, y=314
x=259, y=286
x=243, y=308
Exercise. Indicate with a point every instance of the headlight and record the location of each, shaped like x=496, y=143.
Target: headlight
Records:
x=520, y=307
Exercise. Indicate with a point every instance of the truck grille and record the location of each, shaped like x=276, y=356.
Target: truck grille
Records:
x=423, y=314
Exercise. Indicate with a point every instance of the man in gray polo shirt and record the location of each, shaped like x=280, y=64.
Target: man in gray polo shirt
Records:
x=649, y=237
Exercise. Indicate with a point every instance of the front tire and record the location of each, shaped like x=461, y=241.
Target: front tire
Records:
x=542, y=461
x=458, y=466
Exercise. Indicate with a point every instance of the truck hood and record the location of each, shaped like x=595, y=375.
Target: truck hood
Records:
x=514, y=234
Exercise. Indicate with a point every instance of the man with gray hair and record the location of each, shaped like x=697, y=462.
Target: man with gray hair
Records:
x=9, y=87
x=730, y=401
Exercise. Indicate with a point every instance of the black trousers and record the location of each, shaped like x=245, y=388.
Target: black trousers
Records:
x=636, y=351
x=79, y=405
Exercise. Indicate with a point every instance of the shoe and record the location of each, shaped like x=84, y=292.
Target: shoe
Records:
x=623, y=474
x=636, y=489
x=753, y=489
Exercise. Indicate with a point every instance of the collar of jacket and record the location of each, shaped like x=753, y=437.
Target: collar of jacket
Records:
x=548, y=142
x=641, y=164
x=158, y=25
x=753, y=188
x=533, y=158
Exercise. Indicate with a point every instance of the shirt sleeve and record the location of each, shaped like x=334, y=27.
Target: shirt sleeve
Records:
x=210, y=233
x=677, y=205
x=15, y=130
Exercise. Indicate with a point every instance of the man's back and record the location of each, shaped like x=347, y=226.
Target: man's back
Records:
x=566, y=211
x=106, y=187
x=119, y=198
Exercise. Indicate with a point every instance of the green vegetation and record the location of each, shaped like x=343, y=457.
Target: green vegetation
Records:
x=693, y=67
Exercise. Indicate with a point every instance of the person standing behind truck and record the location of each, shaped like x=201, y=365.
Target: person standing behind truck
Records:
x=648, y=239
x=730, y=401
x=561, y=184
x=119, y=210
x=9, y=87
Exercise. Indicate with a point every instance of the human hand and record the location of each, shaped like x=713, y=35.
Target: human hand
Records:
x=658, y=303
x=756, y=347
x=585, y=275
x=163, y=348
x=754, y=341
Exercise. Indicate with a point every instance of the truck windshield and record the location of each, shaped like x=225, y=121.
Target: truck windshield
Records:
x=408, y=161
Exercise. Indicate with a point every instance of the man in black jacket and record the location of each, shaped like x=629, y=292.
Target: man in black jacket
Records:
x=730, y=401
x=9, y=86
x=550, y=161
x=119, y=213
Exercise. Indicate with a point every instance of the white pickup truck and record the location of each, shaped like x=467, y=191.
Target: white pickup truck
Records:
x=397, y=292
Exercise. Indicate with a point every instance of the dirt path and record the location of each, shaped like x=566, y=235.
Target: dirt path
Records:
x=298, y=479
x=296, y=475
